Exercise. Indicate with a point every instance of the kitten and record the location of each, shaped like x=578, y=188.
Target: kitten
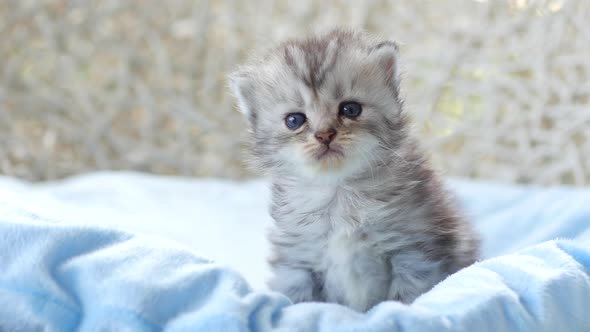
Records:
x=360, y=216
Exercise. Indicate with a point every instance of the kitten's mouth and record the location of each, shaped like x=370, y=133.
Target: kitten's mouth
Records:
x=329, y=152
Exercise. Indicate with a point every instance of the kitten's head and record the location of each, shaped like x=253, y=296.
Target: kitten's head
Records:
x=327, y=104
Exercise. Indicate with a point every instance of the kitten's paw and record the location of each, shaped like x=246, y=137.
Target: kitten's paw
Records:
x=296, y=284
x=299, y=293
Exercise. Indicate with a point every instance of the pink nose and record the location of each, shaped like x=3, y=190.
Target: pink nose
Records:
x=326, y=136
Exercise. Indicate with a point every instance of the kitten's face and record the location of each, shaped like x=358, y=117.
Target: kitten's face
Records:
x=326, y=105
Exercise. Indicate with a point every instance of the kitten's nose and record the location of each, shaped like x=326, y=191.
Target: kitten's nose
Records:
x=326, y=136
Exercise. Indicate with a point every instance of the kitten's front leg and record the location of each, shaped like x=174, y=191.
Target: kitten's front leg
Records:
x=412, y=275
x=296, y=283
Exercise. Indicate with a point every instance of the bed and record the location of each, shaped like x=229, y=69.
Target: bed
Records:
x=134, y=252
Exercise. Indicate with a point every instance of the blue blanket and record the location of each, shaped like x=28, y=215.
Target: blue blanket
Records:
x=57, y=276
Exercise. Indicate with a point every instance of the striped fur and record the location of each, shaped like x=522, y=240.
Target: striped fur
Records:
x=371, y=224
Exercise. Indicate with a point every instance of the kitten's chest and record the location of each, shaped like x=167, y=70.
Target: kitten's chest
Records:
x=345, y=249
x=355, y=272
x=334, y=222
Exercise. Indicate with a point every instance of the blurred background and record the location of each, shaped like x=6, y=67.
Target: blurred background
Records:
x=497, y=89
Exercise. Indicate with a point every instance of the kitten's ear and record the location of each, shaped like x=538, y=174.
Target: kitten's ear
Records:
x=242, y=87
x=386, y=56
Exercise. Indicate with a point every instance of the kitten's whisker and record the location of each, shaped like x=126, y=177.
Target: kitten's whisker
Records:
x=383, y=162
x=371, y=153
x=415, y=163
x=370, y=164
x=370, y=168
x=392, y=150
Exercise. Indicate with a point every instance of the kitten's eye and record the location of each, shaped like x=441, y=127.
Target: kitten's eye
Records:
x=295, y=120
x=350, y=109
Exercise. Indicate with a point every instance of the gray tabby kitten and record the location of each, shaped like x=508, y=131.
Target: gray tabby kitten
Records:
x=360, y=216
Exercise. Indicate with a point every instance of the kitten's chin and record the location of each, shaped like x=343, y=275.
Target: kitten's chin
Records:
x=323, y=163
x=328, y=162
x=333, y=167
x=328, y=169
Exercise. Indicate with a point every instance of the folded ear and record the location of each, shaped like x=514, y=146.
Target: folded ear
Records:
x=242, y=87
x=386, y=57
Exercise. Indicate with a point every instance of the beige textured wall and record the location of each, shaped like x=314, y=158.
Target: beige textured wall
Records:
x=498, y=89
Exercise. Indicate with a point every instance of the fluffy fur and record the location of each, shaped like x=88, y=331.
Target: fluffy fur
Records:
x=367, y=224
